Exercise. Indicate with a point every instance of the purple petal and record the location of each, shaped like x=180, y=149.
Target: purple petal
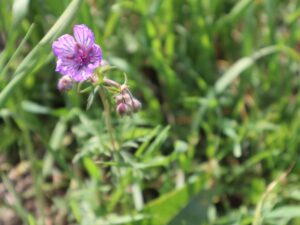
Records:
x=95, y=56
x=65, y=66
x=82, y=75
x=83, y=35
x=64, y=46
x=68, y=68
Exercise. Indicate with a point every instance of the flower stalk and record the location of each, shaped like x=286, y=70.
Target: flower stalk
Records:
x=107, y=117
x=79, y=60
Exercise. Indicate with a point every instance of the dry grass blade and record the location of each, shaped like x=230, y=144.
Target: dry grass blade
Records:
x=257, y=216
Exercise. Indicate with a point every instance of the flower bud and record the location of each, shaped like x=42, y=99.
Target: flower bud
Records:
x=136, y=105
x=123, y=98
x=65, y=83
x=127, y=103
x=123, y=109
x=119, y=99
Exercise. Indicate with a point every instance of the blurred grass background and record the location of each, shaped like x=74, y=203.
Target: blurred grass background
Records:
x=217, y=140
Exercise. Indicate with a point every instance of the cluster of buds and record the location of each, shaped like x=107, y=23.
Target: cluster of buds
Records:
x=126, y=104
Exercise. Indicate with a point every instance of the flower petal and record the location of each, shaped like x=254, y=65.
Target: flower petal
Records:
x=82, y=75
x=68, y=68
x=65, y=66
x=64, y=46
x=83, y=35
x=95, y=56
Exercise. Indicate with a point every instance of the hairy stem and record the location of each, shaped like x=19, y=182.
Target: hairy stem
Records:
x=107, y=117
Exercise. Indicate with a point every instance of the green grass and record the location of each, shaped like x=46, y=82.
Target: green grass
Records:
x=217, y=139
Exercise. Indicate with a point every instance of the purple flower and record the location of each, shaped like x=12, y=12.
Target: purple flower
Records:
x=77, y=56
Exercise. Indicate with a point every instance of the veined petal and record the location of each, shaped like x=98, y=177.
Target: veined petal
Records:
x=83, y=35
x=65, y=66
x=64, y=46
x=95, y=56
x=82, y=75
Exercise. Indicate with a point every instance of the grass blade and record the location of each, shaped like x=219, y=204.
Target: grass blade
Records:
x=241, y=65
x=16, y=53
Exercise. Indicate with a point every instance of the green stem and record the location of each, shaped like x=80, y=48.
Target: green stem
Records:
x=107, y=117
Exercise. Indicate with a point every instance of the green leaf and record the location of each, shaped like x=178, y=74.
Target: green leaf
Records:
x=288, y=212
x=169, y=206
x=159, y=140
x=35, y=108
x=91, y=98
x=17, y=51
x=19, y=10
x=58, y=134
x=241, y=65
x=147, y=140
x=31, y=220
x=235, y=12
x=197, y=209
x=92, y=169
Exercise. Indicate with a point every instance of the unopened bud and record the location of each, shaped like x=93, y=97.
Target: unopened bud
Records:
x=123, y=98
x=123, y=109
x=65, y=83
x=119, y=99
x=131, y=103
x=136, y=105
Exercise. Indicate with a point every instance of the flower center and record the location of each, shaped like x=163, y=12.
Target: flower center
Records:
x=82, y=56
